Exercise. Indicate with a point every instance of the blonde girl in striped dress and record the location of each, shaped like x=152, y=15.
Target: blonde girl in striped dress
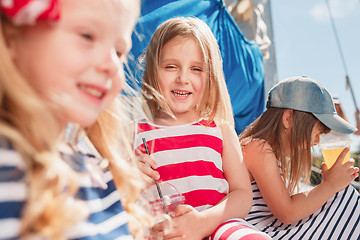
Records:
x=191, y=136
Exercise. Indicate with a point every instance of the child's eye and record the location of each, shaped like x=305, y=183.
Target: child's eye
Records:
x=119, y=54
x=170, y=66
x=87, y=36
x=197, y=69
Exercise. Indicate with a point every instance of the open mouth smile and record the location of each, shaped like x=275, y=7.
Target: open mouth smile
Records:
x=93, y=91
x=180, y=93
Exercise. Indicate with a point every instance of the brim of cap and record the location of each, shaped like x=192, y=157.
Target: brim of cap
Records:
x=336, y=123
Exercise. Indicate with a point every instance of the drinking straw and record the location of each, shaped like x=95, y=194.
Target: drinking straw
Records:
x=156, y=182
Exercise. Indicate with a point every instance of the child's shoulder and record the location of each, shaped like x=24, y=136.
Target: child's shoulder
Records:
x=228, y=132
x=255, y=145
x=223, y=125
x=256, y=151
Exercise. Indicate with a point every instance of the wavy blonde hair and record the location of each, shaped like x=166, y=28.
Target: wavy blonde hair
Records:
x=30, y=125
x=109, y=138
x=32, y=131
x=215, y=104
x=268, y=126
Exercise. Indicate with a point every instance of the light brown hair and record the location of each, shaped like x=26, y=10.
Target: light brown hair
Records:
x=216, y=101
x=267, y=127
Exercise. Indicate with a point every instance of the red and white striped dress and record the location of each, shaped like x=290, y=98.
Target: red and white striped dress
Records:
x=189, y=157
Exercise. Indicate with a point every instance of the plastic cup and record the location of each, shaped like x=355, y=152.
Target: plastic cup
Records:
x=171, y=198
x=332, y=146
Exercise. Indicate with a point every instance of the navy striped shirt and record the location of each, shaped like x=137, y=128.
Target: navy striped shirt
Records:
x=107, y=220
x=338, y=218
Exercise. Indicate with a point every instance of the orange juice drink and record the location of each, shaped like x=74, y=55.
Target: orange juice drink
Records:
x=330, y=155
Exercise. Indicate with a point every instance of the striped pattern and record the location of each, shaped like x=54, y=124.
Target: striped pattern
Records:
x=338, y=218
x=189, y=157
x=107, y=219
x=237, y=229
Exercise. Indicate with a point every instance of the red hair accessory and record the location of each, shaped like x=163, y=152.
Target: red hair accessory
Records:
x=29, y=12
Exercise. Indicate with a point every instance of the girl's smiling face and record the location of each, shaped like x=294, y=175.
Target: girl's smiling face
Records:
x=182, y=76
x=77, y=63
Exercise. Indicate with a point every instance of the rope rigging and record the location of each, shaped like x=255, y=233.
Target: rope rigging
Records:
x=347, y=79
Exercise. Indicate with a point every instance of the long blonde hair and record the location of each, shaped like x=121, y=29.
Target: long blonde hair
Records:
x=268, y=126
x=30, y=127
x=109, y=137
x=215, y=104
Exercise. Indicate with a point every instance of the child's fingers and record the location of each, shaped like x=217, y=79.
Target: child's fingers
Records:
x=342, y=155
x=324, y=167
x=161, y=226
x=147, y=159
x=147, y=165
x=350, y=163
x=177, y=237
x=181, y=210
x=353, y=170
x=148, y=171
x=166, y=230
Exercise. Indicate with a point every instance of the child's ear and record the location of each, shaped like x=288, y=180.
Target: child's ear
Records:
x=287, y=118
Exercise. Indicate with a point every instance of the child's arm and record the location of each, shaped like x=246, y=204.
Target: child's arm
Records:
x=262, y=164
x=197, y=225
x=239, y=200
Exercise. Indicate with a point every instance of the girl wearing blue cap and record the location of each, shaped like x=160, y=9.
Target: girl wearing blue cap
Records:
x=277, y=153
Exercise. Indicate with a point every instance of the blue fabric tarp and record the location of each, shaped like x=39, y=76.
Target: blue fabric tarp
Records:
x=242, y=59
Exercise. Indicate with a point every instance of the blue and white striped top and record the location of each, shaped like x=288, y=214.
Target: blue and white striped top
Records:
x=107, y=220
x=338, y=218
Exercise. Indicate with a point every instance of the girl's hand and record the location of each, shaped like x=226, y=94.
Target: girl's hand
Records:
x=187, y=223
x=147, y=165
x=339, y=176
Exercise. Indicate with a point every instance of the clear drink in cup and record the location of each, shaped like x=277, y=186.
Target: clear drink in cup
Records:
x=160, y=208
x=171, y=198
x=332, y=145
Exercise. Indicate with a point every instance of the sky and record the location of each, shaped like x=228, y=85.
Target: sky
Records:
x=305, y=44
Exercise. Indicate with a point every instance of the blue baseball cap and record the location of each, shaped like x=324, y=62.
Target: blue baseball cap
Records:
x=307, y=95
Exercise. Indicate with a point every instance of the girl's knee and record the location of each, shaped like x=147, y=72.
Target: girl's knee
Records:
x=238, y=230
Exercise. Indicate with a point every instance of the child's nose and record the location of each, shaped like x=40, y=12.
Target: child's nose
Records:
x=316, y=141
x=183, y=77
x=110, y=64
